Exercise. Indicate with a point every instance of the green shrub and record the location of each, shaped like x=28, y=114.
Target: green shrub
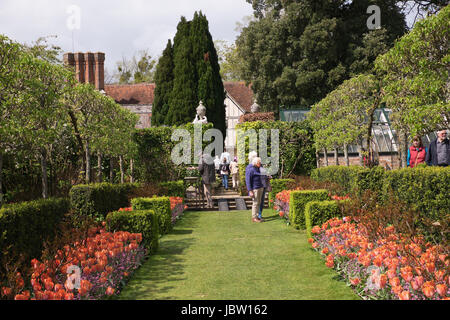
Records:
x=298, y=201
x=25, y=226
x=279, y=185
x=97, y=200
x=161, y=207
x=144, y=222
x=425, y=189
x=353, y=179
x=319, y=212
x=172, y=188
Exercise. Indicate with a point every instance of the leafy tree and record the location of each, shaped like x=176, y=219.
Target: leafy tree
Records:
x=296, y=52
x=140, y=68
x=164, y=86
x=230, y=61
x=415, y=75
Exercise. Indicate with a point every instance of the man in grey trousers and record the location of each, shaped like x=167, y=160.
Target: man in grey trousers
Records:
x=208, y=172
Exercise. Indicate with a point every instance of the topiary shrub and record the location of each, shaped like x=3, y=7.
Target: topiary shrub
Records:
x=161, y=207
x=97, y=200
x=318, y=212
x=144, y=222
x=297, y=203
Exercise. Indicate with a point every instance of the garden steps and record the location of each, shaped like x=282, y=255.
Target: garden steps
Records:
x=200, y=205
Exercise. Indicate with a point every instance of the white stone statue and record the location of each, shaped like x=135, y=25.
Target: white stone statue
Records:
x=201, y=115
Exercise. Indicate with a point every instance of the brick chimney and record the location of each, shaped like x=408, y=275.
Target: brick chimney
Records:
x=89, y=67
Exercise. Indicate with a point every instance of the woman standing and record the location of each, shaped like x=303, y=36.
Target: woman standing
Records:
x=234, y=167
x=416, y=153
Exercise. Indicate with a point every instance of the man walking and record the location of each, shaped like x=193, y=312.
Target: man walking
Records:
x=439, y=151
x=254, y=186
x=207, y=170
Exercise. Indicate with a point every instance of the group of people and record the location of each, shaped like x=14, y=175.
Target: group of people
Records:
x=224, y=168
x=256, y=179
x=438, y=153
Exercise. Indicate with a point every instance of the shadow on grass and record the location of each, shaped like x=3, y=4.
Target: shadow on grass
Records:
x=271, y=218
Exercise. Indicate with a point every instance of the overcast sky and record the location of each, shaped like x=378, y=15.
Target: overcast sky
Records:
x=116, y=27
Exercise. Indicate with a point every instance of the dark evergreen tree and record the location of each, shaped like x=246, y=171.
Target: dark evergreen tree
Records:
x=164, y=86
x=210, y=86
x=184, y=99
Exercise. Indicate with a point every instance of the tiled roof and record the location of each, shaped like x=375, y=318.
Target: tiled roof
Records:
x=241, y=93
x=134, y=94
x=144, y=93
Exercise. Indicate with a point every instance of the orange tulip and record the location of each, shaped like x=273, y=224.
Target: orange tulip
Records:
x=428, y=290
x=405, y=295
x=394, y=282
x=383, y=281
x=441, y=289
x=110, y=291
x=355, y=281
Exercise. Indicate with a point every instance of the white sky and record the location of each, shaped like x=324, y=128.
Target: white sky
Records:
x=116, y=27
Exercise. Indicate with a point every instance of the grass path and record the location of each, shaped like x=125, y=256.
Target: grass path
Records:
x=224, y=256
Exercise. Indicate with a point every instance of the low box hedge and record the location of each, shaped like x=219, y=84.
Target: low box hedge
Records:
x=173, y=188
x=161, y=207
x=25, y=226
x=279, y=185
x=319, y=212
x=298, y=201
x=143, y=221
x=97, y=200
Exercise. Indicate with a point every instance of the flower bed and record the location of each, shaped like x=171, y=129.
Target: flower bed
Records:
x=101, y=263
x=391, y=267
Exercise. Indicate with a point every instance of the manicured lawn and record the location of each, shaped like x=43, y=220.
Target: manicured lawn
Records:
x=222, y=256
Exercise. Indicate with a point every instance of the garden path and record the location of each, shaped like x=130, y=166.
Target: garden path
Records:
x=224, y=256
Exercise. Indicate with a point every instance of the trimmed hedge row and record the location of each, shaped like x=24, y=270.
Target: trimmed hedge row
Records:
x=173, y=188
x=353, y=179
x=144, y=222
x=25, y=226
x=279, y=185
x=161, y=207
x=424, y=188
x=297, y=203
x=319, y=212
x=97, y=200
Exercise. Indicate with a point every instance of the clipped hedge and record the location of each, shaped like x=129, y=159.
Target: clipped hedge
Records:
x=279, y=185
x=161, y=207
x=318, y=212
x=25, y=226
x=298, y=201
x=144, y=222
x=425, y=189
x=173, y=188
x=97, y=200
x=353, y=179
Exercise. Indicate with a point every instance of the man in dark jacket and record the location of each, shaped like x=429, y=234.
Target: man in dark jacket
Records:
x=208, y=172
x=255, y=187
x=439, y=150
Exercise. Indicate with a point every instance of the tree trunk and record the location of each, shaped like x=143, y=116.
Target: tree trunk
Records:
x=88, y=163
x=347, y=162
x=404, y=149
x=317, y=159
x=336, y=156
x=131, y=171
x=99, y=168
x=1, y=179
x=44, y=174
x=111, y=170
x=122, y=174
x=325, y=157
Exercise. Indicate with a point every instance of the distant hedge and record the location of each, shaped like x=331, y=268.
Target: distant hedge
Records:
x=297, y=203
x=97, y=200
x=144, y=222
x=172, y=188
x=161, y=207
x=25, y=226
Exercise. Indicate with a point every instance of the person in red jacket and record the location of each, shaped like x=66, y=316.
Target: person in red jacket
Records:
x=416, y=153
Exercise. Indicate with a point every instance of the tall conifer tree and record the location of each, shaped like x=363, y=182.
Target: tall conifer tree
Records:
x=164, y=86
